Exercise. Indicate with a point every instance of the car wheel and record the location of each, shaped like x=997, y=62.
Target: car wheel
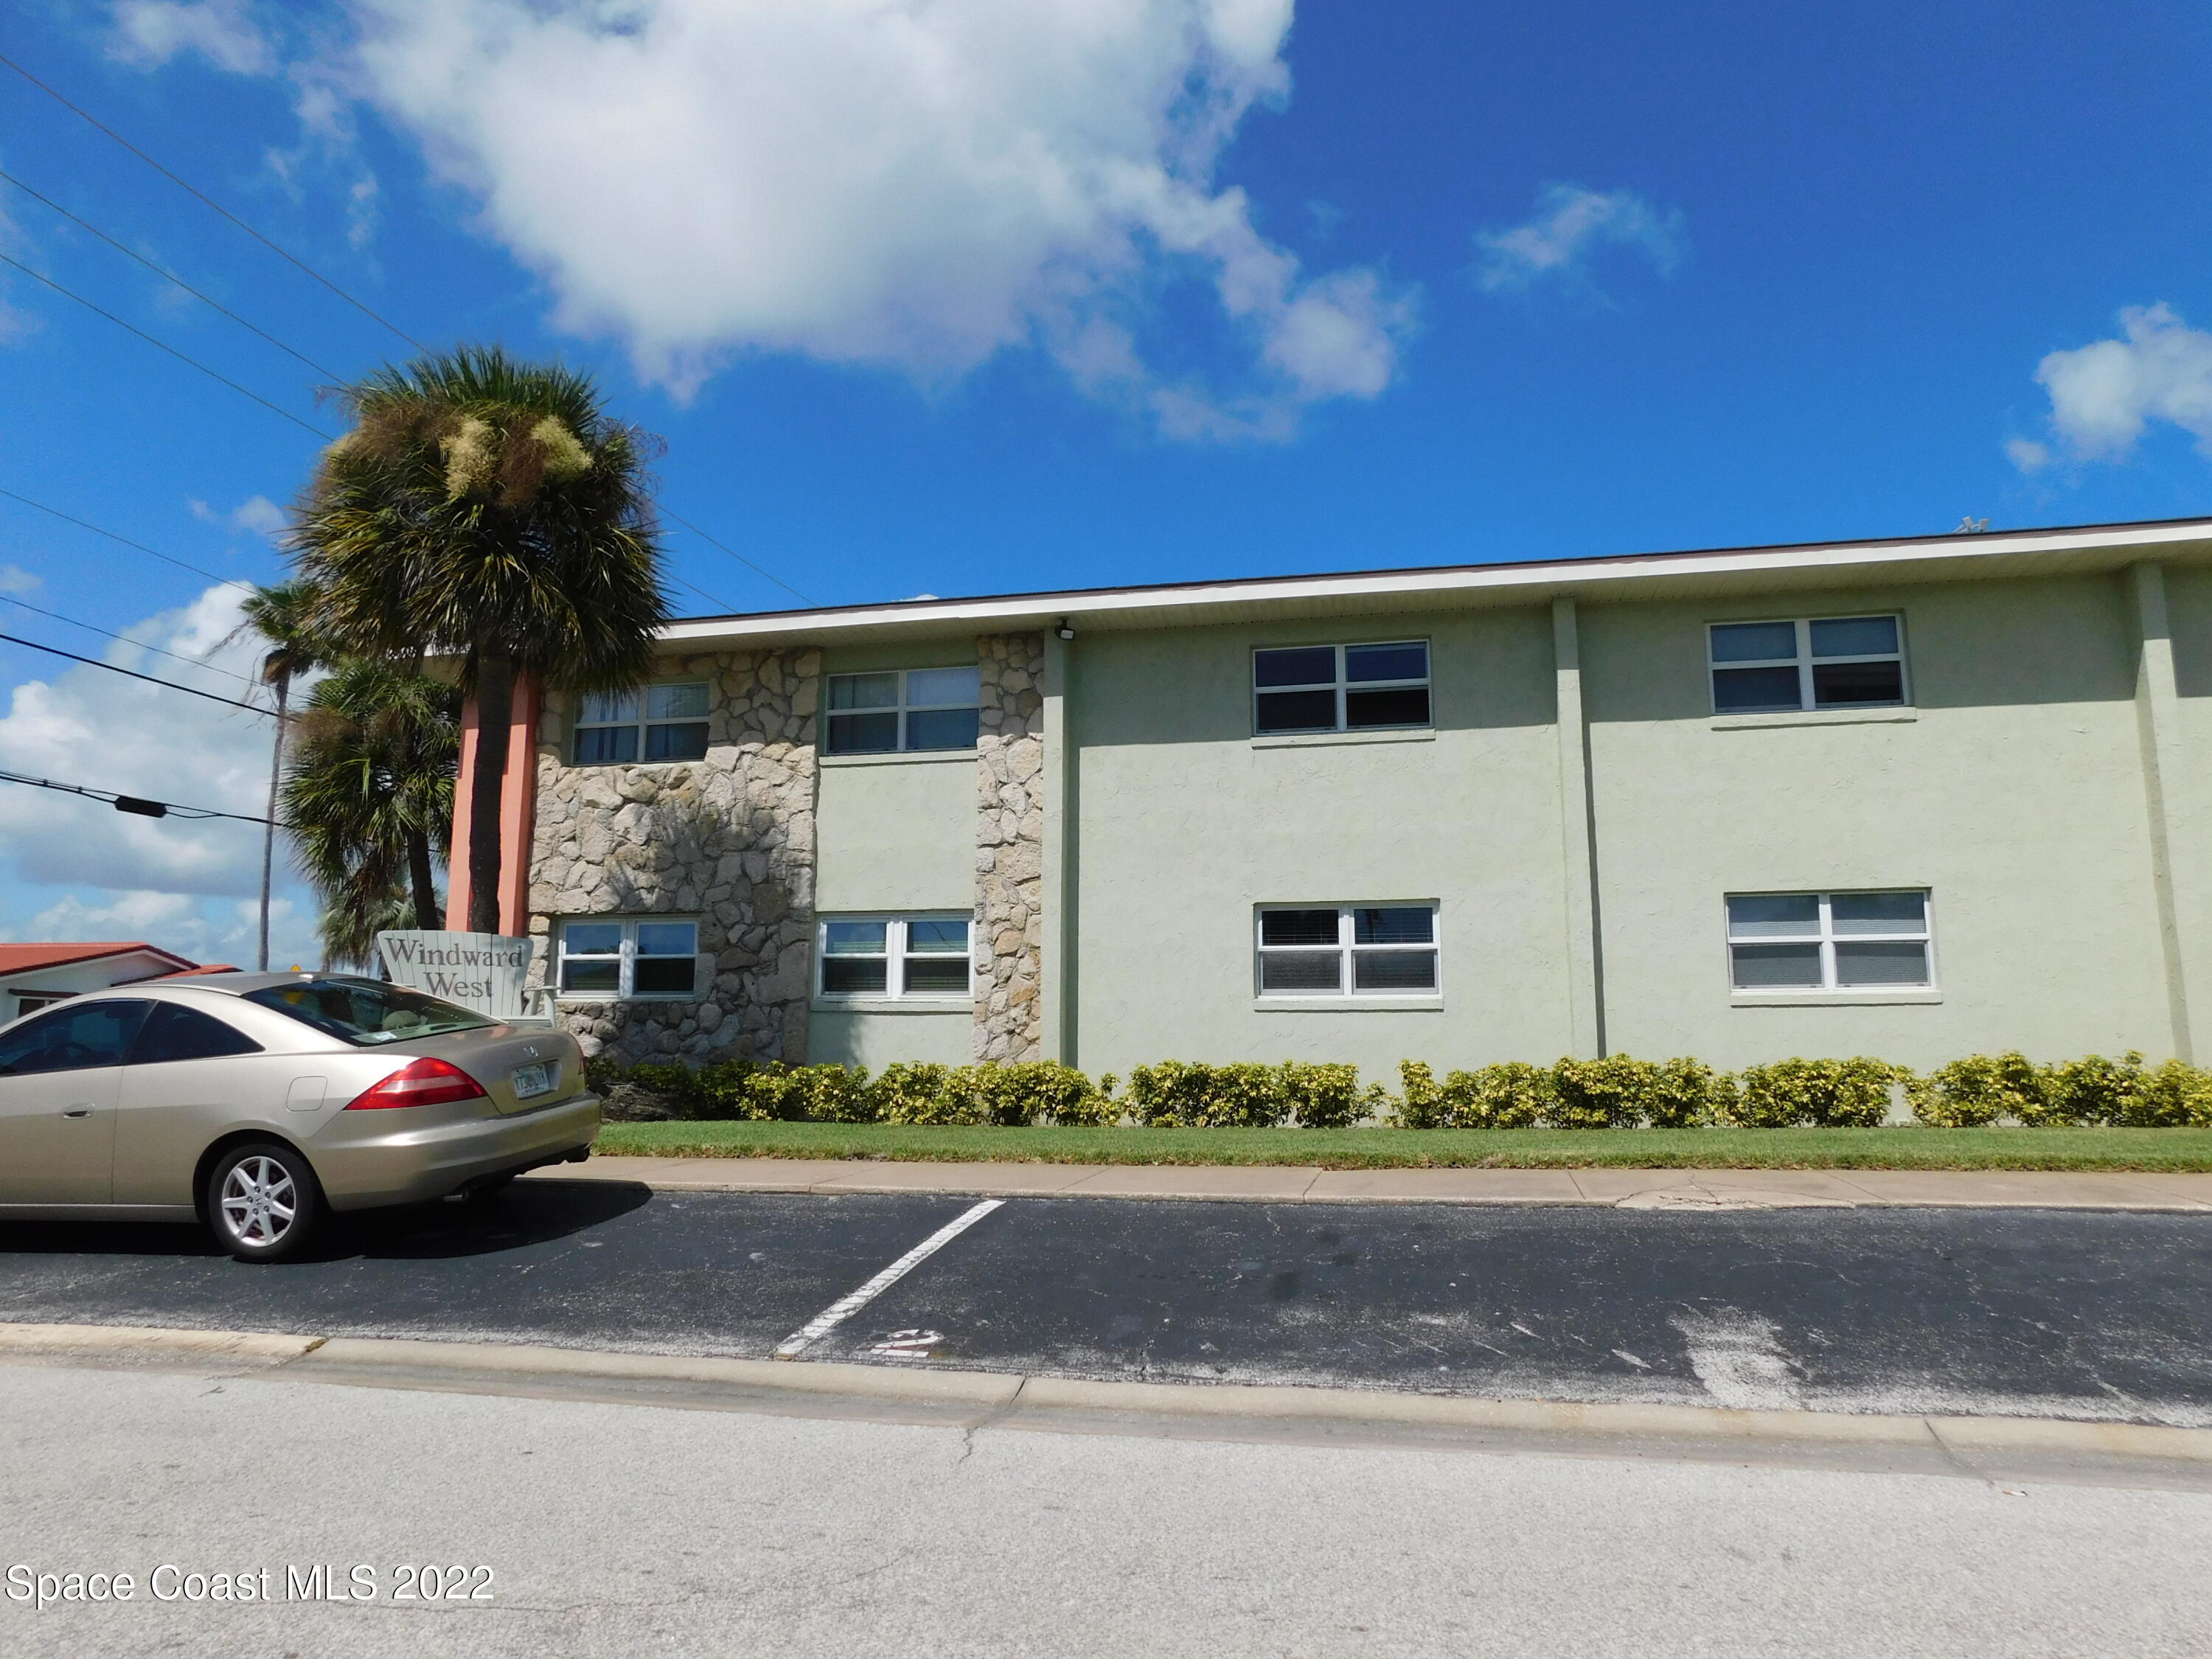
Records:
x=263, y=1201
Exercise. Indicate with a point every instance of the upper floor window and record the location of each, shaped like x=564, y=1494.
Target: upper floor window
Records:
x=894, y=957
x=664, y=722
x=1828, y=941
x=627, y=959
x=905, y=708
x=1340, y=687
x=1829, y=662
x=1347, y=950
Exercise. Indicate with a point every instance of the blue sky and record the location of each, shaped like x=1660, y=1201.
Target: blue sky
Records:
x=986, y=294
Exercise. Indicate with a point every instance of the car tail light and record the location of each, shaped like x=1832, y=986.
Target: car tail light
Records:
x=425, y=1082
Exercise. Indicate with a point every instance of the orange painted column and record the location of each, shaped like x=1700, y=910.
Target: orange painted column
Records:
x=517, y=814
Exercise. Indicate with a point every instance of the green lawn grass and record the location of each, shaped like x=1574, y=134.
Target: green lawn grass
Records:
x=1906, y=1147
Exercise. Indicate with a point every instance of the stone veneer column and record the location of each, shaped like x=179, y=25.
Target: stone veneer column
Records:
x=1009, y=846
x=729, y=839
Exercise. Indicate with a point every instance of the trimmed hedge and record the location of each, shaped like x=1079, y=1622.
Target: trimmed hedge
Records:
x=1616, y=1092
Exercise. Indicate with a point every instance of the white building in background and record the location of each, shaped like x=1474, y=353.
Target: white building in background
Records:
x=33, y=975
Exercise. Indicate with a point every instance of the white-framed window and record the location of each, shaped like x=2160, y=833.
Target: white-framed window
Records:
x=627, y=958
x=922, y=956
x=903, y=709
x=1830, y=941
x=1345, y=950
x=1819, y=662
x=29, y=1002
x=1340, y=687
x=663, y=722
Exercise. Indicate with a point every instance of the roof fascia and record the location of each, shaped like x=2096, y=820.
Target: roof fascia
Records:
x=1958, y=556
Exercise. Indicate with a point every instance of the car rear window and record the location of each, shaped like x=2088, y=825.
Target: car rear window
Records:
x=365, y=1010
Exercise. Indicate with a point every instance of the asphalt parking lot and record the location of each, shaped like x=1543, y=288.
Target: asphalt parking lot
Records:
x=2086, y=1315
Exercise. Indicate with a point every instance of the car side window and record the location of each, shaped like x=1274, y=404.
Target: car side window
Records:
x=74, y=1038
x=173, y=1032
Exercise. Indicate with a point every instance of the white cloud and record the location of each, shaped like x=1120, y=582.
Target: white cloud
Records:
x=257, y=515
x=2103, y=395
x=2026, y=455
x=15, y=579
x=1571, y=223
x=889, y=182
x=260, y=515
x=87, y=726
x=150, y=33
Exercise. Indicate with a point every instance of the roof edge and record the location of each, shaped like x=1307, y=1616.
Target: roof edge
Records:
x=1600, y=569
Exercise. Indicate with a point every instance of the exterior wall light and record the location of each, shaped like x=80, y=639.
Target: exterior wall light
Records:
x=1064, y=630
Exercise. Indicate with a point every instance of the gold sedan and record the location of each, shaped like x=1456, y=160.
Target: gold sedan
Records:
x=258, y=1103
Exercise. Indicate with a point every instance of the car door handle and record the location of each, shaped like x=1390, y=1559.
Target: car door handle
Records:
x=78, y=1111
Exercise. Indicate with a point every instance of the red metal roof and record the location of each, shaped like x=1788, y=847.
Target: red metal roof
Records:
x=28, y=958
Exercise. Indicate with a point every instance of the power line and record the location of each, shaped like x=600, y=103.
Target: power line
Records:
x=141, y=547
x=738, y=556
x=302, y=265
x=168, y=275
x=94, y=662
x=242, y=225
x=40, y=277
x=190, y=662
x=137, y=803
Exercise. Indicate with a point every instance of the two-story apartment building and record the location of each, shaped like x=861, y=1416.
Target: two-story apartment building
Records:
x=1907, y=798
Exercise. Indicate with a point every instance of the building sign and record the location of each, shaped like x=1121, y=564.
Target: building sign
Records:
x=483, y=971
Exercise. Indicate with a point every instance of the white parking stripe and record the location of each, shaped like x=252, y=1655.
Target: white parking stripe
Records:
x=835, y=1315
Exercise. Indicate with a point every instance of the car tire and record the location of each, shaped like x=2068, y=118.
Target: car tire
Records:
x=263, y=1202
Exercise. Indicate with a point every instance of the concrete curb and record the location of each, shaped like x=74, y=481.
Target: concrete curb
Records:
x=1606, y=1186
x=1983, y=1448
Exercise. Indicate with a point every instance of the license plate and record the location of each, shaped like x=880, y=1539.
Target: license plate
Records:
x=531, y=1081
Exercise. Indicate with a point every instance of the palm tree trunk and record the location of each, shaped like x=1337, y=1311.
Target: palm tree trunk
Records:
x=269, y=830
x=495, y=711
x=420, y=878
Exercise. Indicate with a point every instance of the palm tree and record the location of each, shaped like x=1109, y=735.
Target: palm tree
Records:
x=491, y=511
x=284, y=615
x=369, y=799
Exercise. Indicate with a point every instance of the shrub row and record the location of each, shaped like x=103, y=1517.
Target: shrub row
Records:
x=1618, y=1093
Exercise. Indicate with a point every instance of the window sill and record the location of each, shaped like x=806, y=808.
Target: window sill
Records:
x=903, y=757
x=1870, y=997
x=963, y=1006
x=1345, y=1004
x=1320, y=740
x=1816, y=717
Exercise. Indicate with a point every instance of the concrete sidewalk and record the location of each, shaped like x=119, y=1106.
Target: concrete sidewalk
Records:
x=1657, y=1189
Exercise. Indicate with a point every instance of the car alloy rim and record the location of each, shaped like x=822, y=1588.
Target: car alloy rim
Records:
x=258, y=1200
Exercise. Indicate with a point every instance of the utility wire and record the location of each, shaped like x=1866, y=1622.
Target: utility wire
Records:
x=168, y=275
x=40, y=277
x=294, y=259
x=94, y=662
x=734, y=554
x=141, y=547
x=92, y=120
x=139, y=804
x=190, y=662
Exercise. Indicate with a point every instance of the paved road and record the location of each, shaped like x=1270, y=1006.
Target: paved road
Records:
x=2082, y=1315
x=619, y=1530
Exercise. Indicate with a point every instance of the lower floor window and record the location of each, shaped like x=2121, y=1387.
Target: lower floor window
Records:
x=1347, y=950
x=1828, y=941
x=894, y=957
x=627, y=959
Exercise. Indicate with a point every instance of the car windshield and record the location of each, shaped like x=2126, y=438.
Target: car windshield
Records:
x=367, y=1010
